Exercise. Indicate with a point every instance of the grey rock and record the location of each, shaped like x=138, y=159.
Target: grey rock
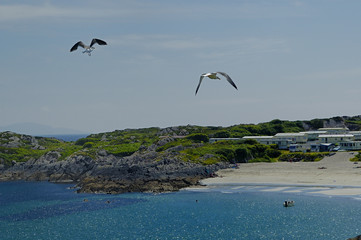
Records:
x=142, y=172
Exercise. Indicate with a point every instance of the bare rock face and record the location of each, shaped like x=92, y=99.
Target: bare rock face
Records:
x=144, y=173
x=103, y=185
x=14, y=140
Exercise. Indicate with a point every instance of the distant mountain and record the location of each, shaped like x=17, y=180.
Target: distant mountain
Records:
x=35, y=129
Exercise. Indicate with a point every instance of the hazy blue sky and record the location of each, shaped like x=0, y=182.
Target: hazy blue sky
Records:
x=290, y=60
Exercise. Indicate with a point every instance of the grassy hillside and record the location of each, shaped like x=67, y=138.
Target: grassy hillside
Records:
x=193, y=146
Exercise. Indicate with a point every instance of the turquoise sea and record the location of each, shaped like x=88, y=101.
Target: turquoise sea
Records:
x=42, y=210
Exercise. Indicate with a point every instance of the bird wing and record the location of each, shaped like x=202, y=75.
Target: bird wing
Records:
x=199, y=84
x=75, y=47
x=228, y=79
x=98, y=41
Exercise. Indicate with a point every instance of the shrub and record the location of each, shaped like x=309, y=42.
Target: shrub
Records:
x=167, y=145
x=258, y=150
x=250, y=142
x=222, y=134
x=273, y=153
x=305, y=157
x=123, y=150
x=243, y=154
x=228, y=154
x=274, y=146
x=88, y=145
x=210, y=161
x=261, y=159
x=81, y=141
x=199, y=137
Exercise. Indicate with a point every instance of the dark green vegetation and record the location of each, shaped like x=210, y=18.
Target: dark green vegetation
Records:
x=191, y=143
x=21, y=148
x=238, y=151
x=118, y=143
x=301, y=157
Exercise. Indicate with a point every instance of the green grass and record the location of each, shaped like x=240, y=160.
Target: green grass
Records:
x=19, y=154
x=195, y=147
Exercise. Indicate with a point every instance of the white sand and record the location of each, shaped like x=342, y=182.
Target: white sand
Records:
x=333, y=175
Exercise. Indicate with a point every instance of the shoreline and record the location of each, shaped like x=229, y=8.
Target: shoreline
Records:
x=333, y=176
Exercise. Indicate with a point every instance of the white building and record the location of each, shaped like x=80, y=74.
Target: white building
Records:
x=282, y=143
x=335, y=138
x=293, y=137
x=350, y=145
x=298, y=148
x=357, y=134
x=267, y=140
x=313, y=135
x=323, y=139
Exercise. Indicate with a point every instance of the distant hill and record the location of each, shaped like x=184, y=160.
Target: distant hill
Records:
x=238, y=130
x=35, y=129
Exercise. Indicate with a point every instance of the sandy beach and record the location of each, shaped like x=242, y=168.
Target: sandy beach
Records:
x=333, y=175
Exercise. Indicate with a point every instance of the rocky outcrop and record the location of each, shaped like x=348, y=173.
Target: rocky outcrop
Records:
x=143, y=171
x=352, y=123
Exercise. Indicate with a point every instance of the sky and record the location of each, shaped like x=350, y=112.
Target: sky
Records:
x=290, y=59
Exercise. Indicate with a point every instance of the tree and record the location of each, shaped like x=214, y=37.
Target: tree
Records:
x=199, y=137
x=222, y=134
x=243, y=154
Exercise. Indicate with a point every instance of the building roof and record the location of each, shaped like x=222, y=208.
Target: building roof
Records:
x=354, y=132
x=336, y=135
x=258, y=137
x=326, y=144
x=224, y=139
x=314, y=132
x=335, y=128
x=290, y=134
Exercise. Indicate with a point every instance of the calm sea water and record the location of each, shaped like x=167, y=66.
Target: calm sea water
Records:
x=41, y=210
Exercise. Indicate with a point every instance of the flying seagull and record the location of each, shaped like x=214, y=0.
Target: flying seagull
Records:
x=88, y=49
x=214, y=76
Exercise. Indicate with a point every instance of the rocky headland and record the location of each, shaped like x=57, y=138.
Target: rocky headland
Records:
x=146, y=170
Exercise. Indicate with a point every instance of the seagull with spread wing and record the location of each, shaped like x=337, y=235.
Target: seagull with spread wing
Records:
x=214, y=76
x=88, y=49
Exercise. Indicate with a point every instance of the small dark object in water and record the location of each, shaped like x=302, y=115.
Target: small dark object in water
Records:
x=288, y=203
